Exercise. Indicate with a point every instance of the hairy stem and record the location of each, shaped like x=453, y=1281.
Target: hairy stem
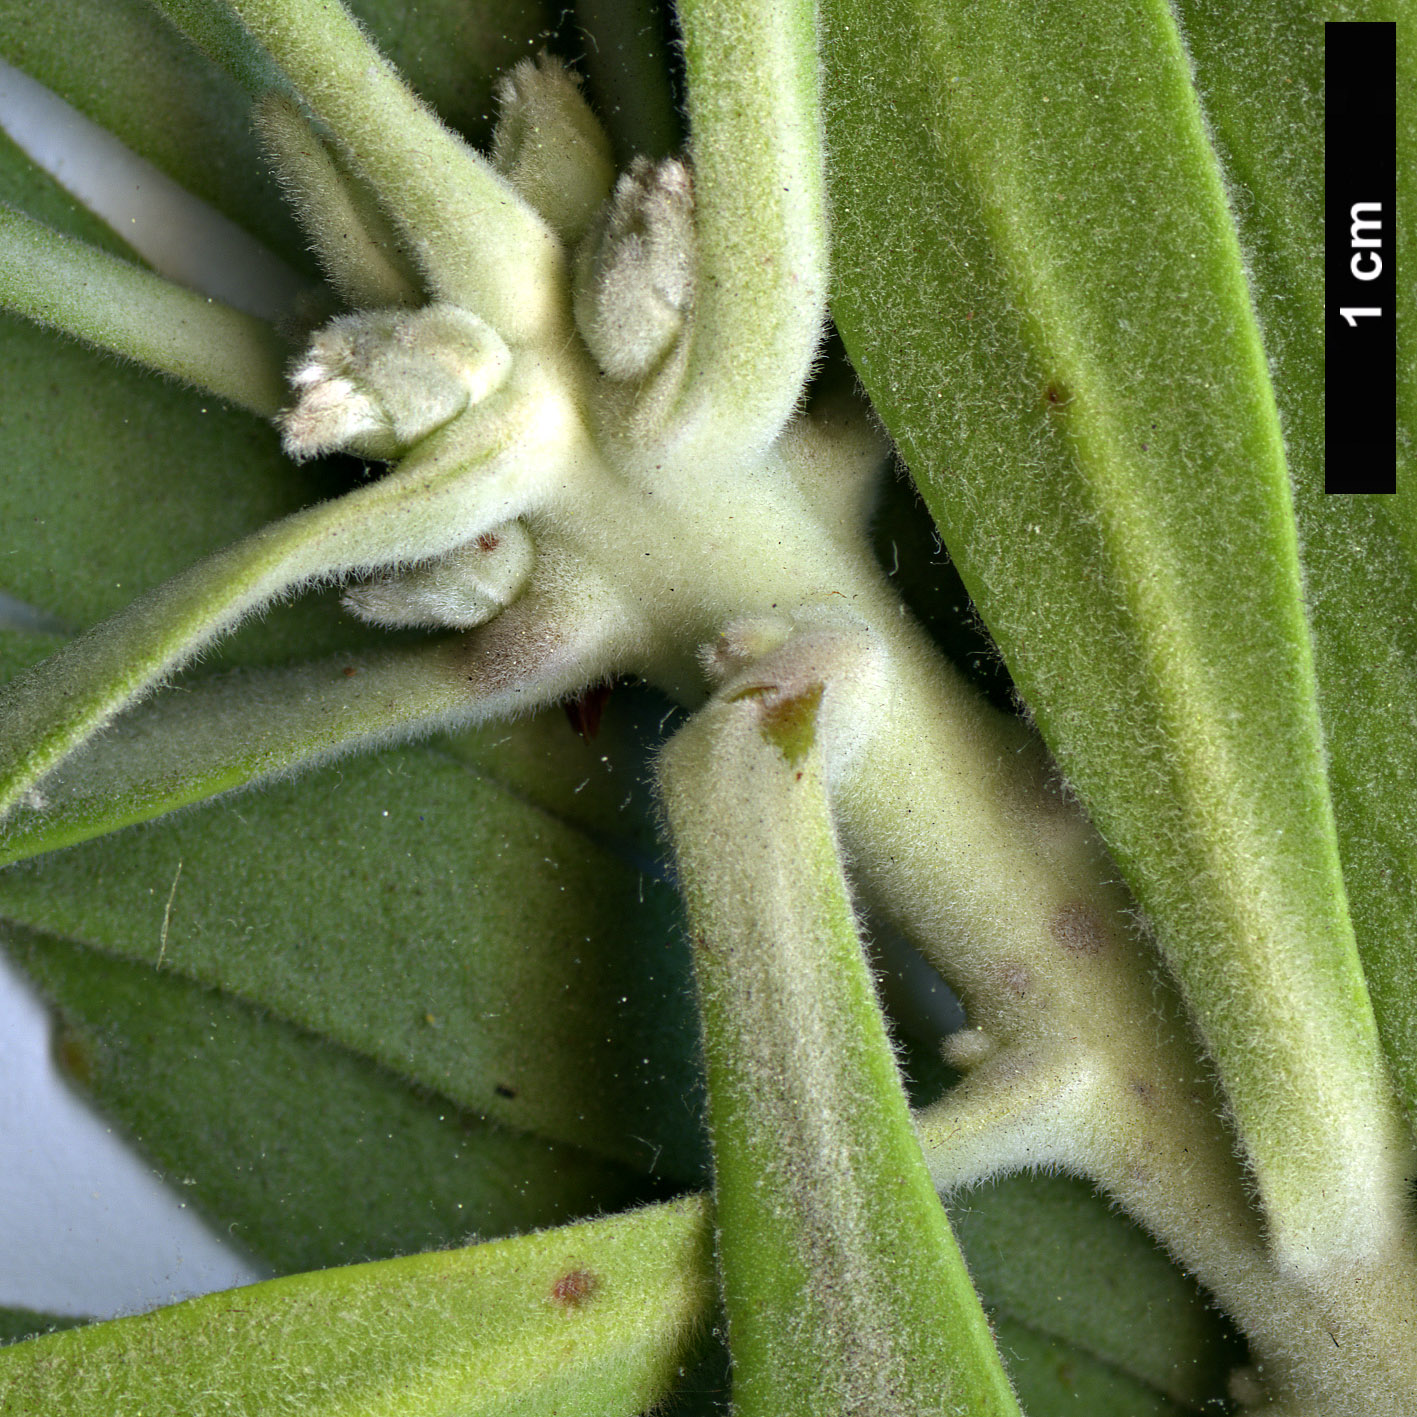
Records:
x=451, y=205
x=755, y=137
x=844, y=1287
x=119, y=307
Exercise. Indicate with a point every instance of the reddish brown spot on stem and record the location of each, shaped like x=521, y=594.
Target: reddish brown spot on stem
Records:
x=574, y=1288
x=1079, y=929
x=488, y=542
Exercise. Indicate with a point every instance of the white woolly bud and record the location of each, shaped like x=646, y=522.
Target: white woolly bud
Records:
x=551, y=147
x=966, y=1048
x=376, y=382
x=457, y=591
x=635, y=270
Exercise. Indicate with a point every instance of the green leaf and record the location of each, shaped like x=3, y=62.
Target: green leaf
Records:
x=303, y=1152
x=416, y=913
x=843, y=1284
x=130, y=443
x=1039, y=278
x=451, y=51
x=1360, y=572
x=597, y=1317
x=1048, y=1253
x=17, y=1324
x=450, y=204
x=226, y=731
x=1054, y=1380
x=116, y=306
x=438, y=497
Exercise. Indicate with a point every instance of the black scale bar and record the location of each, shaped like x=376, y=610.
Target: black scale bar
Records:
x=1360, y=257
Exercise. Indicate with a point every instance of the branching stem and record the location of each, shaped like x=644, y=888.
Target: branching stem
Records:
x=452, y=207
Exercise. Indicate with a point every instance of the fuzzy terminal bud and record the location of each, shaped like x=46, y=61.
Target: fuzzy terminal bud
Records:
x=465, y=588
x=635, y=269
x=551, y=147
x=376, y=382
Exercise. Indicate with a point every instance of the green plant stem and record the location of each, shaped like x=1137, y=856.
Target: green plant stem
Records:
x=230, y=730
x=223, y=39
x=350, y=235
x=119, y=307
x=453, y=208
x=755, y=138
x=1099, y=444
x=844, y=1287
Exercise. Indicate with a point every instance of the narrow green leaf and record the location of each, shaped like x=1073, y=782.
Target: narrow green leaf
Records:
x=437, y=498
x=305, y=1153
x=843, y=1285
x=119, y=307
x=1041, y=284
x=597, y=1317
x=17, y=1324
x=231, y=730
x=414, y=912
x=130, y=443
x=1048, y=1253
x=451, y=51
x=1262, y=101
x=1054, y=1380
x=1406, y=266
x=352, y=239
